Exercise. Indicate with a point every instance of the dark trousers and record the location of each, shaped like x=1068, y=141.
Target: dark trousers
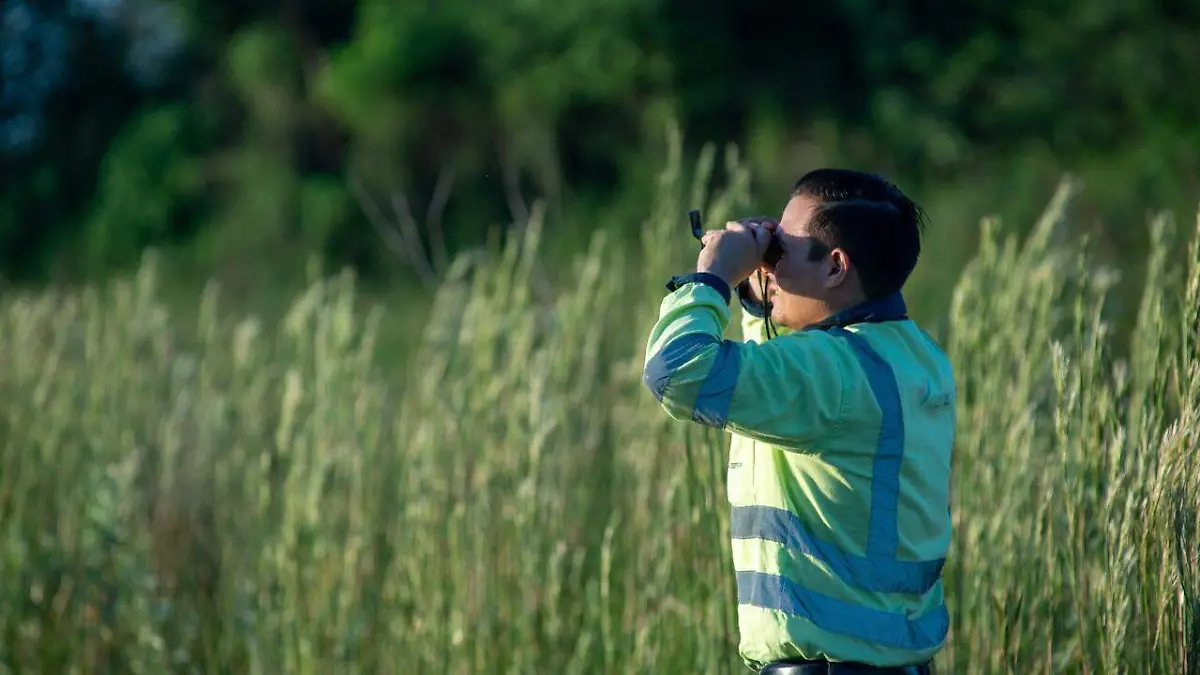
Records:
x=799, y=667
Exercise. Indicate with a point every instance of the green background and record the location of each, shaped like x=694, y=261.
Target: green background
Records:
x=245, y=140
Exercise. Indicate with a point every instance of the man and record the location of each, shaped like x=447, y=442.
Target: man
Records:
x=839, y=470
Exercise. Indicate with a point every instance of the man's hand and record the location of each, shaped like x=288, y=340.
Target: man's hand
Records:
x=736, y=251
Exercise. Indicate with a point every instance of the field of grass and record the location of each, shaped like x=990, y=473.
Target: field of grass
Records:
x=236, y=497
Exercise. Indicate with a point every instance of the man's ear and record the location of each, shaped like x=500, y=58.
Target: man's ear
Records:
x=839, y=267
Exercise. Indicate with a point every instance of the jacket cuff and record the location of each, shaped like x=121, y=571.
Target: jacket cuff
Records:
x=706, y=278
x=755, y=309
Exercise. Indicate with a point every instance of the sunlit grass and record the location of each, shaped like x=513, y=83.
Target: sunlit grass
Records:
x=238, y=497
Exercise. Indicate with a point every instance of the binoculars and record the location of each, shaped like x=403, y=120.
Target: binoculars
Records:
x=770, y=256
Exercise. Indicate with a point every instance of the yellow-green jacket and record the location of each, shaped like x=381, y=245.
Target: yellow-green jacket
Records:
x=839, y=471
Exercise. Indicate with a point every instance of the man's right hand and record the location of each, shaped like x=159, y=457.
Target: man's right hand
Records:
x=750, y=289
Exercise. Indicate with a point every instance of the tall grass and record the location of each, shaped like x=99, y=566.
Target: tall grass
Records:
x=258, y=498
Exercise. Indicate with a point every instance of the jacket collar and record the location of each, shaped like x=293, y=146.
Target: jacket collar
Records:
x=890, y=307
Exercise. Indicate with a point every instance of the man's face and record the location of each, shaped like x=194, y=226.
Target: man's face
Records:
x=800, y=289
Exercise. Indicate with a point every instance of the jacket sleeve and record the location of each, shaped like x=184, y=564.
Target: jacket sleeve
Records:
x=783, y=392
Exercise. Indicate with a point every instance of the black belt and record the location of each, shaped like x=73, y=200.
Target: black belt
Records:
x=841, y=668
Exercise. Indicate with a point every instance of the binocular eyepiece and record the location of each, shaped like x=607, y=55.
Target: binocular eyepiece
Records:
x=774, y=251
x=770, y=256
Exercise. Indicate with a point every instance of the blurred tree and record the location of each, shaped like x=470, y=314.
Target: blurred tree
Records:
x=252, y=135
x=67, y=89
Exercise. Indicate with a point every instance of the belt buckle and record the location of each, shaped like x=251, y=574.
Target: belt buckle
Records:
x=839, y=668
x=796, y=668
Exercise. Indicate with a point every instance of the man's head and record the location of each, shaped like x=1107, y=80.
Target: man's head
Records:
x=847, y=236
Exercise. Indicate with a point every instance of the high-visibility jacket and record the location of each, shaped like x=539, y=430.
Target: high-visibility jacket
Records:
x=838, y=476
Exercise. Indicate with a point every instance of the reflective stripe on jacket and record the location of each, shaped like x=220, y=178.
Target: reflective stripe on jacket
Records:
x=839, y=472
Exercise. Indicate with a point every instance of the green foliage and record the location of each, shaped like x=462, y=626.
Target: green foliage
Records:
x=208, y=493
x=249, y=140
x=146, y=184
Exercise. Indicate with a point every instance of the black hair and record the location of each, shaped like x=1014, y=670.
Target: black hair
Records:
x=869, y=218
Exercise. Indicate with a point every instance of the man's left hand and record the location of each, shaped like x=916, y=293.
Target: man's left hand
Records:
x=734, y=252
